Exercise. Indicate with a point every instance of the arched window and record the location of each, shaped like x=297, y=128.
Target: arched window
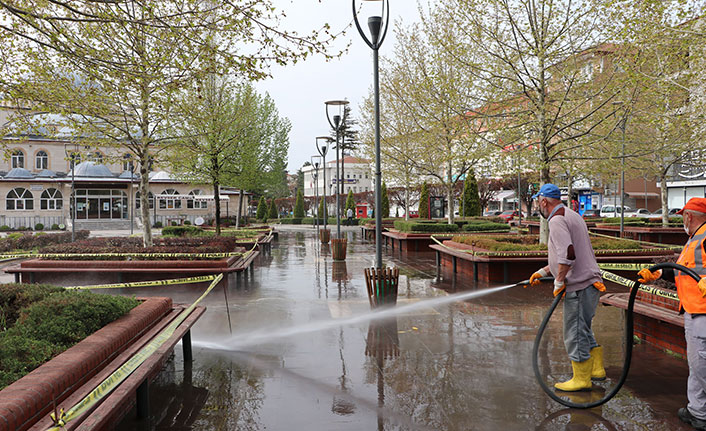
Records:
x=41, y=160
x=19, y=199
x=127, y=162
x=97, y=157
x=18, y=159
x=196, y=203
x=51, y=199
x=150, y=198
x=167, y=202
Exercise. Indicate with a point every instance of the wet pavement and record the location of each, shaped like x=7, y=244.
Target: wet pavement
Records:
x=464, y=366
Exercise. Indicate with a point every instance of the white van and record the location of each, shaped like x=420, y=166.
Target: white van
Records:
x=612, y=210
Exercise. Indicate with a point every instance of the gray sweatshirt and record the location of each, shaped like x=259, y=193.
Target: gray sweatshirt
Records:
x=569, y=244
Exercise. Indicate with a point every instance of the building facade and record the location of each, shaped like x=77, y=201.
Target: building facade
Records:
x=38, y=174
x=357, y=177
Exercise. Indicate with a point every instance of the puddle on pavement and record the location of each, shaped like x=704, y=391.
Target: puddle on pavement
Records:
x=461, y=366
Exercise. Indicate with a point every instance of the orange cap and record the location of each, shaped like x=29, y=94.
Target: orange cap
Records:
x=694, y=204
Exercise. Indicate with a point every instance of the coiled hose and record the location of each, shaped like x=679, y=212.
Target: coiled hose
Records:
x=628, y=341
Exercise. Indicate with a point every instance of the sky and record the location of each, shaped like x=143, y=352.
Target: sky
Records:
x=300, y=90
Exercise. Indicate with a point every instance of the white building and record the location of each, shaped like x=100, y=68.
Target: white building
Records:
x=357, y=176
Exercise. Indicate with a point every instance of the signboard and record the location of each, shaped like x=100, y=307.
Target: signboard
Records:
x=437, y=206
x=36, y=187
x=346, y=180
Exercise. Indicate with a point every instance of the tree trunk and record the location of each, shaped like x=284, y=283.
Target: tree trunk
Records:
x=664, y=197
x=406, y=202
x=570, y=188
x=240, y=208
x=217, y=198
x=450, y=193
x=145, y=202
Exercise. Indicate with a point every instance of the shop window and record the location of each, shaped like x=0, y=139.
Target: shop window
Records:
x=41, y=160
x=167, y=202
x=196, y=203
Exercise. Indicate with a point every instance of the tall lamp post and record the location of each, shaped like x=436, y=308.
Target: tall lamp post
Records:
x=72, y=202
x=336, y=123
x=315, y=162
x=323, y=149
x=375, y=25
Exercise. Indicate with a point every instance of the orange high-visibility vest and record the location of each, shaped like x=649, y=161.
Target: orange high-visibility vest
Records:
x=692, y=257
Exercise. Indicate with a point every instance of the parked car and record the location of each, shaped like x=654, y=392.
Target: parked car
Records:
x=508, y=215
x=672, y=213
x=613, y=210
x=591, y=213
x=493, y=213
x=640, y=213
x=414, y=214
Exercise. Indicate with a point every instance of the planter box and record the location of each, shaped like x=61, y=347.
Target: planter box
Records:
x=512, y=267
x=656, y=234
x=68, y=272
x=533, y=226
x=412, y=242
x=657, y=320
x=30, y=398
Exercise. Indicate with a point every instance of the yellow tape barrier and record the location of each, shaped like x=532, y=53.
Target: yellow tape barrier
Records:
x=186, y=280
x=110, y=383
x=647, y=289
x=176, y=255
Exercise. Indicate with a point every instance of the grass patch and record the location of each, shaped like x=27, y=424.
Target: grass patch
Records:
x=46, y=320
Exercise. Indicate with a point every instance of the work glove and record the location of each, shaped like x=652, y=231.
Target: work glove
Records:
x=534, y=279
x=599, y=285
x=702, y=287
x=559, y=287
x=647, y=276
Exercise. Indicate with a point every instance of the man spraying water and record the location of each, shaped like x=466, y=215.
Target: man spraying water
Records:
x=572, y=262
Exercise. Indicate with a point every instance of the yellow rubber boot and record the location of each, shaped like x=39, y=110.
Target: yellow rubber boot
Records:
x=598, y=372
x=582, y=377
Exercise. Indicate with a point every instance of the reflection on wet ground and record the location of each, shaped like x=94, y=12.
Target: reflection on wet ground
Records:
x=465, y=366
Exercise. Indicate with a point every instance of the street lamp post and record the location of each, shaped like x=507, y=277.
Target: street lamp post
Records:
x=316, y=161
x=323, y=149
x=132, y=197
x=72, y=201
x=375, y=25
x=336, y=124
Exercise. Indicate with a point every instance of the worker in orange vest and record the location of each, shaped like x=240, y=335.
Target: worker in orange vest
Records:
x=692, y=297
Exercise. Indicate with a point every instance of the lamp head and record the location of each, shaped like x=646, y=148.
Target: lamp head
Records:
x=336, y=121
x=375, y=25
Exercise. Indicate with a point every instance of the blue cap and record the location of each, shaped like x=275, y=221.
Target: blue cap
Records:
x=548, y=191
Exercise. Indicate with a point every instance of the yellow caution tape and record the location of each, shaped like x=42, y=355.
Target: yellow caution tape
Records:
x=112, y=381
x=629, y=283
x=625, y=266
x=186, y=280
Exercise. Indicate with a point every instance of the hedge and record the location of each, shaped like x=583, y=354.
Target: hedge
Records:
x=483, y=227
x=531, y=243
x=27, y=241
x=290, y=220
x=186, y=230
x=404, y=226
x=50, y=321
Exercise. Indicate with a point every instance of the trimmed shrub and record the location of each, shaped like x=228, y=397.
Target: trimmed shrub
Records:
x=4, y=228
x=261, y=213
x=350, y=201
x=404, y=226
x=22, y=241
x=298, y=205
x=424, y=202
x=39, y=226
x=183, y=231
x=483, y=227
x=471, y=198
x=292, y=220
x=157, y=225
x=53, y=227
x=272, y=212
x=385, y=201
x=23, y=228
x=531, y=243
x=187, y=223
x=51, y=323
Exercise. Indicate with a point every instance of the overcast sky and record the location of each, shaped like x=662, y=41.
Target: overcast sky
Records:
x=300, y=90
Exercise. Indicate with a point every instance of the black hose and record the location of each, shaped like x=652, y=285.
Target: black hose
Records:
x=628, y=341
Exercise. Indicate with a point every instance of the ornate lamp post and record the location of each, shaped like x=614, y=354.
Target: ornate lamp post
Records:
x=316, y=162
x=336, y=123
x=322, y=148
x=375, y=24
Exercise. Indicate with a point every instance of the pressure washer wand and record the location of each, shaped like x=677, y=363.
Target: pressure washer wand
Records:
x=526, y=283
